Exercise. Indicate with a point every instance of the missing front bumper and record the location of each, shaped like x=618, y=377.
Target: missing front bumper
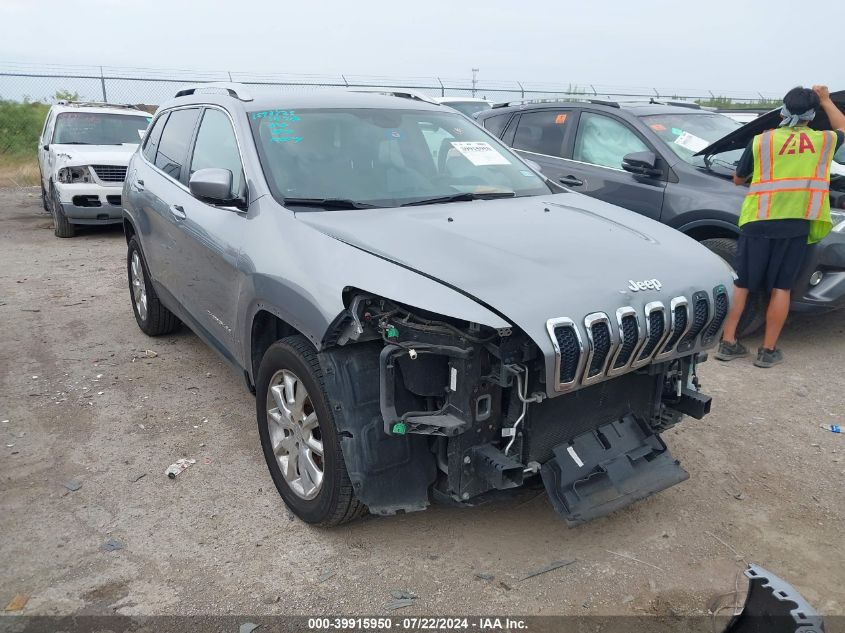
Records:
x=608, y=468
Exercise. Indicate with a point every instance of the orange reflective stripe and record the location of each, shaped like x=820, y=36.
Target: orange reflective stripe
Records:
x=811, y=189
x=788, y=184
x=822, y=179
x=824, y=156
x=814, y=206
x=764, y=205
x=765, y=187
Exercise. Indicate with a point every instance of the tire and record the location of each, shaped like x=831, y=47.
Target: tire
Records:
x=61, y=225
x=45, y=200
x=754, y=315
x=332, y=501
x=152, y=317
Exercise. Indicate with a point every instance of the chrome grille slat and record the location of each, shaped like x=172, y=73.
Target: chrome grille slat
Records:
x=700, y=316
x=631, y=340
x=569, y=352
x=720, y=312
x=657, y=331
x=678, y=327
x=110, y=173
x=601, y=340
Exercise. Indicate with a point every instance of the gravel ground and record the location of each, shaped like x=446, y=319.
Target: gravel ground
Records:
x=86, y=397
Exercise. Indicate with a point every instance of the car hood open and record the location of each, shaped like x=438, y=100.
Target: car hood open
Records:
x=739, y=138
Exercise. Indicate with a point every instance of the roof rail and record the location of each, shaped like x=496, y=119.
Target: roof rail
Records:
x=605, y=102
x=402, y=93
x=679, y=104
x=234, y=90
x=96, y=104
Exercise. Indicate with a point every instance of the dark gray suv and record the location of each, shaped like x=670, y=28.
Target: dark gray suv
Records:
x=672, y=163
x=420, y=315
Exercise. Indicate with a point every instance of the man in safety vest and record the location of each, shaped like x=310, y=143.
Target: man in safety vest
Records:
x=787, y=207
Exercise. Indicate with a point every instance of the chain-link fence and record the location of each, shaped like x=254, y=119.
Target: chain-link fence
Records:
x=49, y=83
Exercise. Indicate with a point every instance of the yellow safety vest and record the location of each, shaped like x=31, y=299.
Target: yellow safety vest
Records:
x=791, y=178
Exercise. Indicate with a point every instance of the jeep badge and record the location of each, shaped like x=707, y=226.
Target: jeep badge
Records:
x=648, y=284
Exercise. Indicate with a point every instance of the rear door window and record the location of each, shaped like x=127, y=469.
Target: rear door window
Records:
x=496, y=124
x=604, y=141
x=175, y=140
x=151, y=146
x=542, y=132
x=217, y=146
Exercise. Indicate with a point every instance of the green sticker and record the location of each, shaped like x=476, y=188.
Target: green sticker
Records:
x=676, y=131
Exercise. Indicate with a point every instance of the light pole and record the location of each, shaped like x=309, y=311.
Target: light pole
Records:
x=474, y=80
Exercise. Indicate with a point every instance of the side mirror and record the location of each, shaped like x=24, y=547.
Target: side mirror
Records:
x=642, y=164
x=47, y=148
x=213, y=185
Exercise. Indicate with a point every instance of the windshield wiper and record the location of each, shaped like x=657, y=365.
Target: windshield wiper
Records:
x=462, y=197
x=329, y=203
x=73, y=143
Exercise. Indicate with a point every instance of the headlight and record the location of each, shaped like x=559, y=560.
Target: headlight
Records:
x=69, y=175
x=838, y=218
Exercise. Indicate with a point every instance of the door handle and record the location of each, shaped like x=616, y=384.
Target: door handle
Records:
x=178, y=211
x=572, y=181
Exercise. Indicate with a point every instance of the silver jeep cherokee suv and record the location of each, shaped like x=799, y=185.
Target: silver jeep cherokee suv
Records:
x=420, y=314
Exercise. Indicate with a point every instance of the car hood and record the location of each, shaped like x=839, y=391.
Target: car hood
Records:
x=740, y=137
x=94, y=154
x=536, y=258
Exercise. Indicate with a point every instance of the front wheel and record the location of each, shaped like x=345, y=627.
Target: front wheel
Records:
x=62, y=227
x=45, y=200
x=299, y=438
x=754, y=315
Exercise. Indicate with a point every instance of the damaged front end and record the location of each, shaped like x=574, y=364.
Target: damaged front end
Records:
x=428, y=406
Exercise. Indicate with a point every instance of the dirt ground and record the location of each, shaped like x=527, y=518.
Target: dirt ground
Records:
x=82, y=399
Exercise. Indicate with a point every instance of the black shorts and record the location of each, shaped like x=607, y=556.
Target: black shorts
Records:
x=764, y=263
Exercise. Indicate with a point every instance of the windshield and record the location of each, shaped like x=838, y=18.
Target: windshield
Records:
x=89, y=128
x=384, y=157
x=686, y=134
x=468, y=108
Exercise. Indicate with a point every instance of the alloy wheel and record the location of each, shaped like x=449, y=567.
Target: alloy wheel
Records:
x=139, y=287
x=295, y=434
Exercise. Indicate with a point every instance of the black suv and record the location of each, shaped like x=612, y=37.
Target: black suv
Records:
x=671, y=162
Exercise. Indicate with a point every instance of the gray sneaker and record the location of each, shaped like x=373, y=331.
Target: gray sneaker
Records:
x=729, y=351
x=768, y=357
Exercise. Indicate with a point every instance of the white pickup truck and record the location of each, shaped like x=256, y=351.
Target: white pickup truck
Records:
x=82, y=155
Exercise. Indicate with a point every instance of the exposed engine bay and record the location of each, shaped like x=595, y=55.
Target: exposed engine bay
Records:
x=454, y=411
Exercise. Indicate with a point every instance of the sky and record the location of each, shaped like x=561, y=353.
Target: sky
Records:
x=744, y=46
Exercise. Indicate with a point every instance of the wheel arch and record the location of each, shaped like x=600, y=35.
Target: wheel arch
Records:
x=266, y=327
x=128, y=229
x=708, y=229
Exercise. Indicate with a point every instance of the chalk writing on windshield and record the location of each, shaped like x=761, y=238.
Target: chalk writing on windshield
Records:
x=275, y=115
x=278, y=123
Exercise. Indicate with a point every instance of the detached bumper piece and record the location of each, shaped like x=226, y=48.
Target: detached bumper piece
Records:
x=608, y=468
x=774, y=606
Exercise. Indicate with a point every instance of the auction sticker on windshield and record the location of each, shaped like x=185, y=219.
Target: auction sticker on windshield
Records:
x=480, y=153
x=691, y=142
